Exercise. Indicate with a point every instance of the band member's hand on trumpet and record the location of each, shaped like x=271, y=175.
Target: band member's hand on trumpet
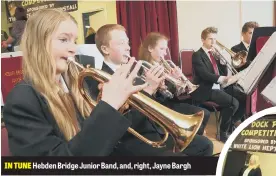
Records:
x=122, y=82
x=153, y=76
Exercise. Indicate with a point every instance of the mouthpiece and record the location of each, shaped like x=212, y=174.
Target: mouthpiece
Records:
x=72, y=59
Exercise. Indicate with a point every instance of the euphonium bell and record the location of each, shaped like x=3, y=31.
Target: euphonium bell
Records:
x=181, y=127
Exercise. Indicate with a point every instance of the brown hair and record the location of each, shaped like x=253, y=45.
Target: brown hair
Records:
x=103, y=35
x=250, y=24
x=150, y=41
x=208, y=30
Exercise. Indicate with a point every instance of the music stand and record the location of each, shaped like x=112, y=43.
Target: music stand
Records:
x=258, y=32
x=255, y=71
x=269, y=92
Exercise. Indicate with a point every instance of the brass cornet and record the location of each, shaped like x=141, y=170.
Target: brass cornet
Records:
x=162, y=89
x=181, y=127
x=182, y=85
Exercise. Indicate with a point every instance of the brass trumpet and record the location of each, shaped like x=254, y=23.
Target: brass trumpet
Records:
x=238, y=59
x=181, y=127
x=184, y=84
x=163, y=90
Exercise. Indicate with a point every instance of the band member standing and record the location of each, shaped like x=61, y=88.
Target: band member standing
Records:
x=247, y=32
x=209, y=73
x=253, y=167
x=42, y=119
x=17, y=28
x=113, y=43
x=154, y=47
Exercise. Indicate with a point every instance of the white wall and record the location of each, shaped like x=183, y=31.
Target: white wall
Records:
x=260, y=11
x=227, y=16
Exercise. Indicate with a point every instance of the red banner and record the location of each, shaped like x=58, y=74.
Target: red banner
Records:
x=11, y=73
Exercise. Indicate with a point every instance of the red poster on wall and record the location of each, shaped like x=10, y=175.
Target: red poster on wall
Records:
x=11, y=74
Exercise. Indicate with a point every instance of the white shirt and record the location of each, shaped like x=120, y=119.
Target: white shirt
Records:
x=246, y=172
x=113, y=66
x=246, y=45
x=215, y=86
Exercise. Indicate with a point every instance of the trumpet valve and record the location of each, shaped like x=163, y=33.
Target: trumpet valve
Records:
x=124, y=108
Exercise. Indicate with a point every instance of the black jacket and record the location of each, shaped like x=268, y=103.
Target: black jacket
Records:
x=90, y=39
x=239, y=47
x=33, y=131
x=253, y=172
x=204, y=75
x=86, y=60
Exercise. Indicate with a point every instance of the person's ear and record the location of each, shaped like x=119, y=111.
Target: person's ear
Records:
x=150, y=49
x=105, y=49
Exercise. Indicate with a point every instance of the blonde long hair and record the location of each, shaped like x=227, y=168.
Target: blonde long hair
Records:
x=39, y=67
x=150, y=41
x=256, y=159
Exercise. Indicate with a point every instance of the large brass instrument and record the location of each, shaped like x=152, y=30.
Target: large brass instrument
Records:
x=238, y=59
x=181, y=127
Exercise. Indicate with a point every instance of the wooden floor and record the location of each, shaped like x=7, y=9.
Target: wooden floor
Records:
x=211, y=132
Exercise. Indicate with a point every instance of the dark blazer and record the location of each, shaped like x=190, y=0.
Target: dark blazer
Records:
x=204, y=75
x=90, y=39
x=86, y=60
x=33, y=131
x=237, y=48
x=253, y=172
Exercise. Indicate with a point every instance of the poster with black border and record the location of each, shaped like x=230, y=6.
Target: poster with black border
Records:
x=259, y=136
x=32, y=6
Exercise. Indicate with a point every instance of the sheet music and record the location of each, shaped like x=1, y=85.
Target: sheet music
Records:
x=269, y=93
x=249, y=78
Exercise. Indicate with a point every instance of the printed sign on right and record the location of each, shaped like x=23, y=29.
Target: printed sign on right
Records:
x=251, y=150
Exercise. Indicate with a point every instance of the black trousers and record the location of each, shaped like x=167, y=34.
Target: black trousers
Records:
x=200, y=146
x=241, y=97
x=188, y=109
x=232, y=103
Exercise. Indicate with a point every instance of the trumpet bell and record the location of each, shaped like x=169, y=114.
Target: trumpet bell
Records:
x=184, y=136
x=239, y=58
